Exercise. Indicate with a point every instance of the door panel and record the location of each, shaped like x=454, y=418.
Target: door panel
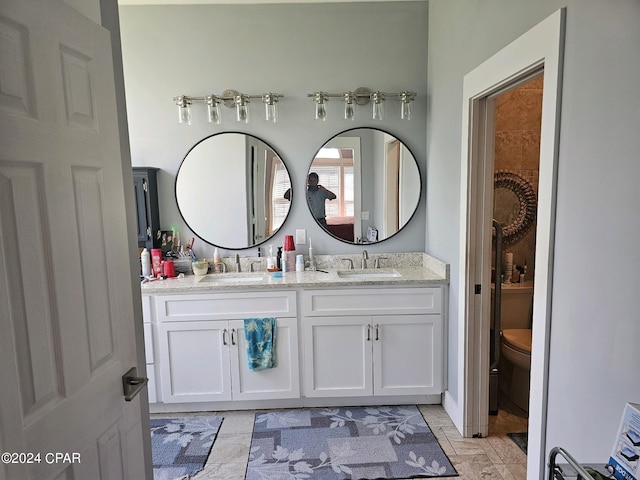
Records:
x=283, y=381
x=407, y=355
x=195, y=359
x=330, y=344
x=66, y=291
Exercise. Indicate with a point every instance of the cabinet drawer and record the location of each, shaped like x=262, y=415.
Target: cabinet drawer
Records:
x=372, y=301
x=172, y=308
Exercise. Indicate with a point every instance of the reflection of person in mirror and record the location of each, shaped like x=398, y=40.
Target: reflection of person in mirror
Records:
x=316, y=196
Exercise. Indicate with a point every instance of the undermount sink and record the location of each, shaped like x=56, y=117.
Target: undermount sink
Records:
x=233, y=277
x=373, y=273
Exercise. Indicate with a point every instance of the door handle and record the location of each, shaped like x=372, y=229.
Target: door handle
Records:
x=368, y=333
x=132, y=384
x=233, y=338
x=224, y=337
x=377, y=332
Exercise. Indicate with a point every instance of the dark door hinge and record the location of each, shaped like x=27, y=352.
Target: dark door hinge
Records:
x=478, y=289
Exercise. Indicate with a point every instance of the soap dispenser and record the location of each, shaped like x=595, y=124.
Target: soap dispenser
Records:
x=217, y=262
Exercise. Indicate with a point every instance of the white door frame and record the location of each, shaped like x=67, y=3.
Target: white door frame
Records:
x=540, y=47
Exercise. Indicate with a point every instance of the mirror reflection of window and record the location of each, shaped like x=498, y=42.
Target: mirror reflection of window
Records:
x=336, y=175
x=280, y=183
x=379, y=193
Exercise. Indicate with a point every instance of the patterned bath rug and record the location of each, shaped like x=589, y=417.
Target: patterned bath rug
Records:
x=180, y=446
x=345, y=443
x=520, y=439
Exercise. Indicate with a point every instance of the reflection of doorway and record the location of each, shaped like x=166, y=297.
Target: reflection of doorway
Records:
x=391, y=203
x=538, y=48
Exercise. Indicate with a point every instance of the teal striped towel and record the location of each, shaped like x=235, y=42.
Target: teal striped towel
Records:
x=260, y=337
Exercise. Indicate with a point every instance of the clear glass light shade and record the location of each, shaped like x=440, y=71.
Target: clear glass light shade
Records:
x=378, y=110
x=321, y=111
x=271, y=112
x=184, y=114
x=213, y=112
x=405, y=112
x=270, y=108
x=349, y=106
x=242, y=110
x=378, y=105
x=242, y=113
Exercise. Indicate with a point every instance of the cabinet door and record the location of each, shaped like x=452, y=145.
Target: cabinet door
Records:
x=282, y=381
x=139, y=190
x=337, y=356
x=194, y=361
x=407, y=354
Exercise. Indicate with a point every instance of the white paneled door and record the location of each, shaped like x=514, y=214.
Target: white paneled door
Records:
x=66, y=308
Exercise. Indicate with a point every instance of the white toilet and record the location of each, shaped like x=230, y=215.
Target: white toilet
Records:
x=515, y=342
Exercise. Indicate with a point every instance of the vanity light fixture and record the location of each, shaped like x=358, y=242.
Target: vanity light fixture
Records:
x=270, y=107
x=405, y=104
x=230, y=99
x=362, y=96
x=378, y=106
x=321, y=109
x=184, y=111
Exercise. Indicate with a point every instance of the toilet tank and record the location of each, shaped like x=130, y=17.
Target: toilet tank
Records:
x=517, y=305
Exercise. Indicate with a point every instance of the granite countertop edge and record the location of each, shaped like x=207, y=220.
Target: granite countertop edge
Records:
x=409, y=276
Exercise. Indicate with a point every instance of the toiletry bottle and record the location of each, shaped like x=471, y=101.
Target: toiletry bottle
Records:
x=279, y=259
x=217, y=262
x=145, y=260
x=156, y=262
x=271, y=260
x=311, y=264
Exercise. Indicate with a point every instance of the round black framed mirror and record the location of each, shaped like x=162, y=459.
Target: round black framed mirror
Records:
x=368, y=186
x=230, y=190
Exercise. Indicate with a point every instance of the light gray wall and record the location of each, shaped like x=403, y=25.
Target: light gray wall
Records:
x=595, y=327
x=289, y=49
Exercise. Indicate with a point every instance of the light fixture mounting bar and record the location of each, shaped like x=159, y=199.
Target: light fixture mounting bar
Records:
x=363, y=95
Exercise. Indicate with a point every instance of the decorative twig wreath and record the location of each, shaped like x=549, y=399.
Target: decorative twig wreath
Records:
x=528, y=205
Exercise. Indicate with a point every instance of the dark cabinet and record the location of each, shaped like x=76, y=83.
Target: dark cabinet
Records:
x=145, y=186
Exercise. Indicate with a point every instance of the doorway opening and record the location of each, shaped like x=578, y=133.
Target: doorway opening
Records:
x=514, y=116
x=539, y=49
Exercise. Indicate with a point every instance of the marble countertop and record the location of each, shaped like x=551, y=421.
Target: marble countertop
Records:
x=423, y=270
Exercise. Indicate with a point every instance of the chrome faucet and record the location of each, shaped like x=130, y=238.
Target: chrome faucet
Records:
x=376, y=262
x=350, y=262
x=253, y=263
x=365, y=256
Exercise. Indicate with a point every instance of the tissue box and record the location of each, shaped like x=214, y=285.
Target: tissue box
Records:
x=625, y=457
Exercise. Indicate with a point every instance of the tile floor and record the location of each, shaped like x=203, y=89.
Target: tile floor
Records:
x=495, y=457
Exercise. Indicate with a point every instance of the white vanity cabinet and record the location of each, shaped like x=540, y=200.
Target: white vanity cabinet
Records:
x=202, y=353
x=374, y=341
x=148, y=349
